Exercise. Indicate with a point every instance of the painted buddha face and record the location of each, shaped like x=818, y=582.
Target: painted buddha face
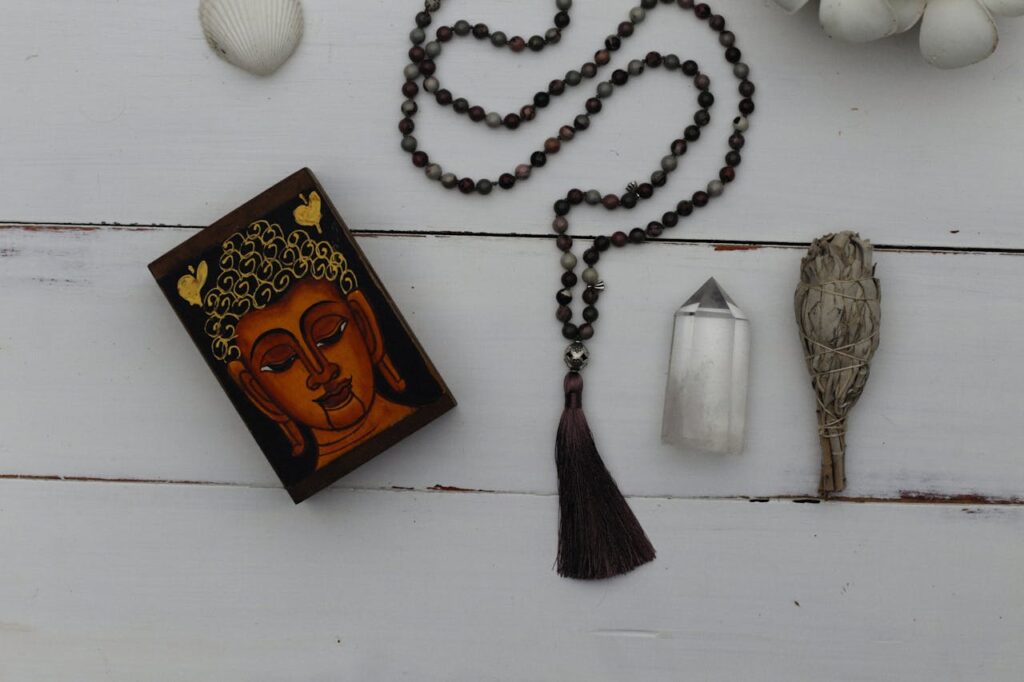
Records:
x=310, y=355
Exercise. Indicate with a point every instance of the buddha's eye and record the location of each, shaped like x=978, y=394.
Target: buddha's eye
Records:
x=278, y=367
x=333, y=336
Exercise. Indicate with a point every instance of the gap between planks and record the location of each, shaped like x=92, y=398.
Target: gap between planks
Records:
x=719, y=244
x=905, y=496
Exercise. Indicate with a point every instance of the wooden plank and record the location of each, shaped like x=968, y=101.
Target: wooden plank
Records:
x=100, y=381
x=120, y=112
x=160, y=582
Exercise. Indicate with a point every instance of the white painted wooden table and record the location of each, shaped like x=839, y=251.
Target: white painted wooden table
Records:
x=145, y=538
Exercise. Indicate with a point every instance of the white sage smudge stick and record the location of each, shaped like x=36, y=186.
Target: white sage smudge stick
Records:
x=838, y=311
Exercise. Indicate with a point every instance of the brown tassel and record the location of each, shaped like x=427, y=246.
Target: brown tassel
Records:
x=598, y=535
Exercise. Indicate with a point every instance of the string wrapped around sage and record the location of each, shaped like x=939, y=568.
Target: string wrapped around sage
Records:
x=838, y=311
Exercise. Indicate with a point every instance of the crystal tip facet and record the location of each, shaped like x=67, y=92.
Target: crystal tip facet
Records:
x=711, y=298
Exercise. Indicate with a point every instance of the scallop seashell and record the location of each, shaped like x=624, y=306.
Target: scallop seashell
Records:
x=956, y=33
x=256, y=35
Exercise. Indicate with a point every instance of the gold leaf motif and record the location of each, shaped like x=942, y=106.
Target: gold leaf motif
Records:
x=190, y=285
x=309, y=213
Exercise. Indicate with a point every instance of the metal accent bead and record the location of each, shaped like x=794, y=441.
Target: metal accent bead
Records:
x=576, y=356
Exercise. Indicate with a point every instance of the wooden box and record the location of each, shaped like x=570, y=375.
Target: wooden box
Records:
x=302, y=335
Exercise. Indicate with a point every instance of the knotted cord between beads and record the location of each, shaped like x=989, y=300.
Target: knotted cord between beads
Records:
x=423, y=66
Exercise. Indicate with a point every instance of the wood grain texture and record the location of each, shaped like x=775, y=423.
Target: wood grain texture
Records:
x=120, y=112
x=939, y=416
x=198, y=582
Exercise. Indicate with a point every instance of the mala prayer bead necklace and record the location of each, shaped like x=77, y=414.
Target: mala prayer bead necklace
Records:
x=598, y=534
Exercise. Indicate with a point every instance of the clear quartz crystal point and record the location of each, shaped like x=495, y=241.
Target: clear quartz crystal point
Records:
x=706, y=395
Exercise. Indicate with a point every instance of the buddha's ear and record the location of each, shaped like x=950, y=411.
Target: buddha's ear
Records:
x=366, y=321
x=245, y=381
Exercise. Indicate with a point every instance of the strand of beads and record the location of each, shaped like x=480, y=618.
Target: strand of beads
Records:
x=422, y=67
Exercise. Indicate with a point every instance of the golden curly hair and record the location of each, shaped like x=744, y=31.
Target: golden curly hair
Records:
x=256, y=267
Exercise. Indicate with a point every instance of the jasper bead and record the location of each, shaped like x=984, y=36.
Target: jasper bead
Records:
x=746, y=106
x=420, y=159
x=602, y=243
x=569, y=279
x=570, y=331
x=715, y=188
x=552, y=145
x=506, y=181
x=566, y=133
x=574, y=196
x=591, y=256
x=727, y=174
x=466, y=185
x=700, y=199
x=628, y=200
x=619, y=239
x=564, y=243
x=590, y=295
x=517, y=44
x=590, y=276
x=564, y=297
x=563, y=313
x=484, y=186
x=610, y=201
x=512, y=121
x=568, y=261
x=590, y=313
x=538, y=159
x=523, y=171
x=636, y=235
x=585, y=331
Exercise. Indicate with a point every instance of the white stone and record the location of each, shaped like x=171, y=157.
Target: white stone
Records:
x=706, y=393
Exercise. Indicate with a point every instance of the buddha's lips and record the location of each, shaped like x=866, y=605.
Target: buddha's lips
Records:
x=336, y=395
